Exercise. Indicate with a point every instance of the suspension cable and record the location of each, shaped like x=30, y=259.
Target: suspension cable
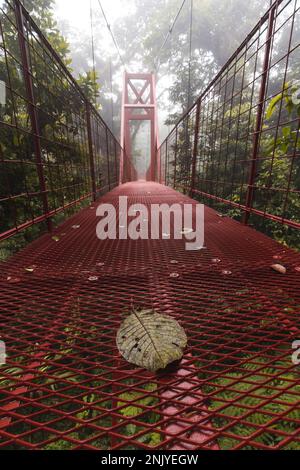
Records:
x=190, y=56
x=93, y=49
x=169, y=93
x=111, y=95
x=156, y=61
x=112, y=34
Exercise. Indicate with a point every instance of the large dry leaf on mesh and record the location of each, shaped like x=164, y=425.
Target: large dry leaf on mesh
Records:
x=150, y=340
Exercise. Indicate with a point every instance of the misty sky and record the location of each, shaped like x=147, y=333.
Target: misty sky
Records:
x=73, y=18
x=74, y=21
x=77, y=12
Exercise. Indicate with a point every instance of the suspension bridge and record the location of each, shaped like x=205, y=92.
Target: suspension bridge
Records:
x=63, y=296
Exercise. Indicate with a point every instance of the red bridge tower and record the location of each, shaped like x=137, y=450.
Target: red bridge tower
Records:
x=138, y=104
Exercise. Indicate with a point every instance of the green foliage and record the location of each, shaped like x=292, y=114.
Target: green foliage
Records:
x=136, y=411
x=265, y=401
x=59, y=445
x=136, y=397
x=277, y=169
x=89, y=84
x=213, y=41
x=60, y=114
x=51, y=376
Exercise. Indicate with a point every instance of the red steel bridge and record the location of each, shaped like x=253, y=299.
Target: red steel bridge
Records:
x=64, y=294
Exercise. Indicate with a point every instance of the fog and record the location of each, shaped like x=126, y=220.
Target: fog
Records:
x=195, y=48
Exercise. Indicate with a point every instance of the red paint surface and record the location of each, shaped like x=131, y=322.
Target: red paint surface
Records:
x=65, y=380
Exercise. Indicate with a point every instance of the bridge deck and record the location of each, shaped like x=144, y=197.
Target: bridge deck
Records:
x=65, y=385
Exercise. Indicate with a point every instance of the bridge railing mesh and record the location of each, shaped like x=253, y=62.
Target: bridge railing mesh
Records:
x=238, y=146
x=55, y=149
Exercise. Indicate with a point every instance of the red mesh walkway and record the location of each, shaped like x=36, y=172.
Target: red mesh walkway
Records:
x=65, y=385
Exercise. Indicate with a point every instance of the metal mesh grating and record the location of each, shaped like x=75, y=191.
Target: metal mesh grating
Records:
x=65, y=386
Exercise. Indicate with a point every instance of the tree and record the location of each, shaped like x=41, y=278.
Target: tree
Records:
x=213, y=40
x=60, y=110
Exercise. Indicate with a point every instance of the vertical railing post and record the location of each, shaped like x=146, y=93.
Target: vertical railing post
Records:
x=195, y=148
x=32, y=110
x=107, y=155
x=175, y=158
x=158, y=164
x=91, y=149
x=166, y=164
x=116, y=164
x=259, y=117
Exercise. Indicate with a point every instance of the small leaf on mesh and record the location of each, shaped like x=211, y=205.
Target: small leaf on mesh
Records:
x=150, y=340
x=279, y=268
x=30, y=269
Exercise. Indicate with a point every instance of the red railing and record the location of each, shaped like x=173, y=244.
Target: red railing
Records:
x=238, y=146
x=56, y=151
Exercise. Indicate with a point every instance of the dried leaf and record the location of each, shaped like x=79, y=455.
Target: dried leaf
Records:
x=226, y=272
x=150, y=340
x=55, y=238
x=279, y=268
x=30, y=269
x=174, y=275
x=13, y=280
